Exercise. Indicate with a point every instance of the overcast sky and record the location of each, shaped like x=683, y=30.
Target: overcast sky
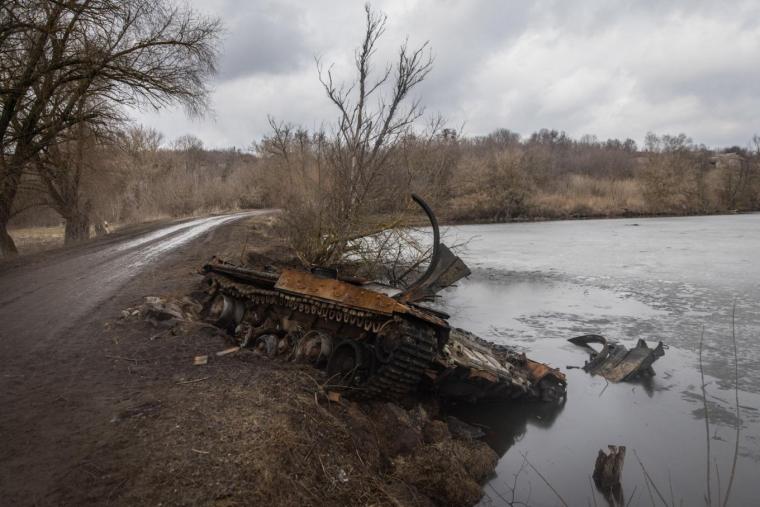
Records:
x=612, y=69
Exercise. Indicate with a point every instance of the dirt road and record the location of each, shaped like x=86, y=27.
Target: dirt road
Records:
x=58, y=385
x=40, y=300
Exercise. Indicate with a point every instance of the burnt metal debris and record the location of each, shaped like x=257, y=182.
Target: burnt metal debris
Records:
x=373, y=344
x=615, y=362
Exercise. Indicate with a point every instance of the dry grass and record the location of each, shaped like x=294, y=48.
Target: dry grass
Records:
x=263, y=432
x=572, y=195
x=35, y=239
x=580, y=195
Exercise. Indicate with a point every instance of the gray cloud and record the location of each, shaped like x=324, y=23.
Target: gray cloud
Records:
x=588, y=66
x=262, y=37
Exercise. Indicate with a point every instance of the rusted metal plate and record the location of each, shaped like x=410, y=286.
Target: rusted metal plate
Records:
x=327, y=289
x=423, y=315
x=537, y=371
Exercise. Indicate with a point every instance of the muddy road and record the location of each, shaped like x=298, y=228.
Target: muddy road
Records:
x=40, y=299
x=60, y=382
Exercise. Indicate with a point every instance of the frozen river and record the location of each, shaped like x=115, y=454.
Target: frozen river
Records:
x=536, y=284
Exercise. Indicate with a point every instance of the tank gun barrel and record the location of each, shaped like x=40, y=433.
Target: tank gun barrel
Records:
x=241, y=274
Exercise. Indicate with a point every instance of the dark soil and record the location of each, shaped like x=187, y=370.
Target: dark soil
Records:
x=114, y=411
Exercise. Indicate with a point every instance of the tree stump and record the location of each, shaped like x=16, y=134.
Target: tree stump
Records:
x=607, y=471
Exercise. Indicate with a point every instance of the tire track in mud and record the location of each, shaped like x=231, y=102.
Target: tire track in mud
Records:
x=39, y=302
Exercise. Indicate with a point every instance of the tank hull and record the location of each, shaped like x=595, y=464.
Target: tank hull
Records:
x=370, y=344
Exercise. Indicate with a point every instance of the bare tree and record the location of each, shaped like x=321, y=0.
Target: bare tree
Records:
x=70, y=172
x=114, y=52
x=191, y=148
x=350, y=177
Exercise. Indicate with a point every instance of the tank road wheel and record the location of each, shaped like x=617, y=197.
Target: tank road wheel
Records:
x=225, y=312
x=315, y=347
x=285, y=345
x=347, y=364
x=267, y=345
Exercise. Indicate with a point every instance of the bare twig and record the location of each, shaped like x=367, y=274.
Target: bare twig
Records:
x=502, y=497
x=559, y=497
x=193, y=381
x=707, y=417
x=605, y=387
x=649, y=480
x=630, y=498
x=738, y=414
x=649, y=490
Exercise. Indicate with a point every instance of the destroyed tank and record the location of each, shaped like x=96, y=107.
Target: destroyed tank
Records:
x=372, y=342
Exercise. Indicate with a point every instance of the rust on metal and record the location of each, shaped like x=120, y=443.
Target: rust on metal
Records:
x=538, y=371
x=424, y=315
x=333, y=290
x=370, y=343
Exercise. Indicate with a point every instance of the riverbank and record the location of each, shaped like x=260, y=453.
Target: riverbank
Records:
x=244, y=430
x=447, y=220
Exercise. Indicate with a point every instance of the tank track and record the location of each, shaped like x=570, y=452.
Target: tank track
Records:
x=404, y=371
x=400, y=374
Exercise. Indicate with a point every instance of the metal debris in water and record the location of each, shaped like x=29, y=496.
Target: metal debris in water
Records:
x=615, y=361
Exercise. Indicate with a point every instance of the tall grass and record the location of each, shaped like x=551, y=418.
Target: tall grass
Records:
x=582, y=195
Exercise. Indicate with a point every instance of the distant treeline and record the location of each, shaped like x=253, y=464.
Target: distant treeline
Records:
x=135, y=176
x=497, y=177
x=503, y=176
x=550, y=175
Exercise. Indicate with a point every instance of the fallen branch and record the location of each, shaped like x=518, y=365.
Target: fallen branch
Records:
x=649, y=480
